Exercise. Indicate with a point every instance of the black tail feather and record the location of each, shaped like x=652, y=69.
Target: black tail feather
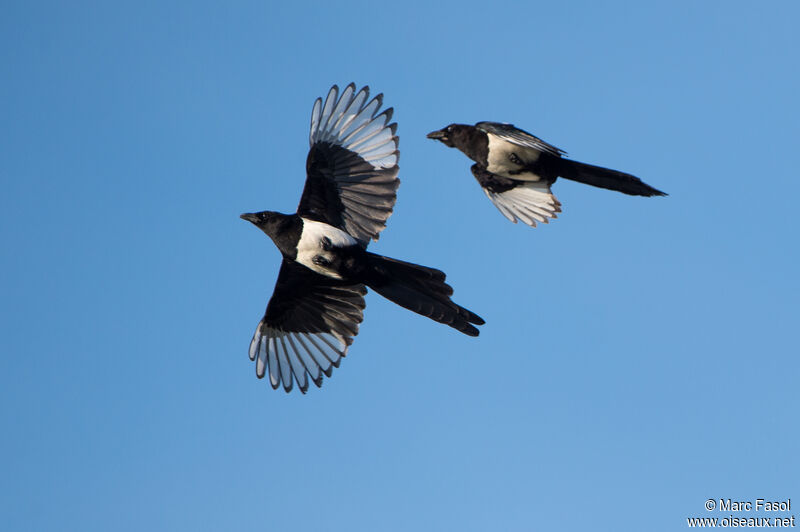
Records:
x=420, y=289
x=605, y=178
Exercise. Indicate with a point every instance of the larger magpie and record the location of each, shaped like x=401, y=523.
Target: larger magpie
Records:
x=350, y=192
x=516, y=169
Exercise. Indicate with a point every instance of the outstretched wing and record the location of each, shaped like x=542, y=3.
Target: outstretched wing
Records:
x=519, y=137
x=309, y=323
x=529, y=201
x=352, y=164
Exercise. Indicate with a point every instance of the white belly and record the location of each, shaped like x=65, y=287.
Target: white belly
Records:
x=500, y=162
x=312, y=245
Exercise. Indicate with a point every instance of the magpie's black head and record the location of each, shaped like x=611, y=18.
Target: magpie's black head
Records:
x=454, y=135
x=268, y=221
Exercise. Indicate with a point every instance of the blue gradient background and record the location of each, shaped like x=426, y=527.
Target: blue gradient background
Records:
x=640, y=355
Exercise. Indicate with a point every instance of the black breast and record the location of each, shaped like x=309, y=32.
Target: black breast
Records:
x=286, y=234
x=473, y=142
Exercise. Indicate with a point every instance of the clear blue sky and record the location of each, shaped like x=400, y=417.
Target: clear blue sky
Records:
x=639, y=357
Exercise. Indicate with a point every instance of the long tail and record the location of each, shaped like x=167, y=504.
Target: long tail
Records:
x=421, y=290
x=605, y=178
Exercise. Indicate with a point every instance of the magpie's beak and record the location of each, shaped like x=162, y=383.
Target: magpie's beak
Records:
x=250, y=217
x=437, y=135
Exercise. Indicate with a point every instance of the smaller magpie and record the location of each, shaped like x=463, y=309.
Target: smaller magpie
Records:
x=516, y=170
x=350, y=191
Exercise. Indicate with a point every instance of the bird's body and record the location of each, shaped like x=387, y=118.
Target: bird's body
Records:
x=350, y=192
x=516, y=169
x=511, y=160
x=327, y=250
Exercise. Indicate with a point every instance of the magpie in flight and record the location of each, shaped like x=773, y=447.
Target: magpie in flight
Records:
x=516, y=170
x=350, y=192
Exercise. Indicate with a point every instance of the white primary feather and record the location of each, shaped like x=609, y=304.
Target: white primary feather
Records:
x=530, y=202
x=291, y=357
x=347, y=120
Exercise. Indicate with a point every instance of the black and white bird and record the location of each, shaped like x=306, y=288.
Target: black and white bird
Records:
x=516, y=170
x=350, y=192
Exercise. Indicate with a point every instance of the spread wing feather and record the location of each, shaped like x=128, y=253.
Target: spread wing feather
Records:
x=309, y=323
x=352, y=160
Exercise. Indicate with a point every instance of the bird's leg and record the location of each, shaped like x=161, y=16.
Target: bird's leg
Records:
x=514, y=158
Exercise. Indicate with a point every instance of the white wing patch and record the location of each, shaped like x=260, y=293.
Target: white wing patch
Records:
x=529, y=202
x=316, y=231
x=310, y=245
x=346, y=120
x=518, y=136
x=291, y=357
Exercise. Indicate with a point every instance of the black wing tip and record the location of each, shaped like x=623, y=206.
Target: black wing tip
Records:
x=304, y=389
x=354, y=86
x=379, y=98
